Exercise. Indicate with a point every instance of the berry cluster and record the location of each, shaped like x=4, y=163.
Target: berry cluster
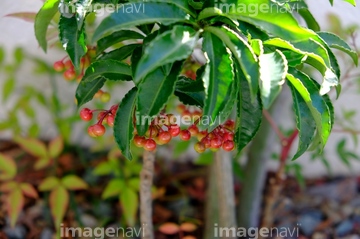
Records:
x=164, y=127
x=67, y=68
x=103, y=117
x=160, y=132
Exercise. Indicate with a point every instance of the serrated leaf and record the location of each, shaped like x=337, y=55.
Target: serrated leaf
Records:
x=82, y=8
x=304, y=122
x=29, y=190
x=113, y=188
x=154, y=92
x=273, y=70
x=87, y=89
x=124, y=123
x=249, y=113
x=173, y=45
x=309, y=19
x=43, y=19
x=59, y=201
x=243, y=53
x=26, y=16
x=56, y=146
x=103, y=67
x=49, y=183
x=119, y=54
x=15, y=203
x=217, y=79
x=161, y=12
x=73, y=182
x=129, y=203
x=191, y=92
x=319, y=110
x=32, y=146
x=72, y=39
x=103, y=168
x=116, y=37
x=336, y=42
x=8, y=167
x=317, y=56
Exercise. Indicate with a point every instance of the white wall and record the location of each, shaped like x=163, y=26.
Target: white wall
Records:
x=15, y=32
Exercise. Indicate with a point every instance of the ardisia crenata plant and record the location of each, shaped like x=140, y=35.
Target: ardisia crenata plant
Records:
x=252, y=48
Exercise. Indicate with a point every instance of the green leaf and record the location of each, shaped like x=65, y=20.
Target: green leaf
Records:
x=191, y=92
x=154, y=92
x=120, y=53
x=8, y=88
x=318, y=57
x=43, y=19
x=161, y=12
x=243, y=54
x=32, y=146
x=73, y=40
x=124, y=123
x=14, y=203
x=56, y=146
x=317, y=105
x=103, y=168
x=309, y=19
x=82, y=8
x=174, y=45
x=134, y=183
x=209, y=12
x=8, y=167
x=86, y=90
x=100, y=68
x=59, y=202
x=294, y=59
x=73, y=182
x=273, y=70
x=249, y=113
x=230, y=100
x=129, y=202
x=304, y=122
x=49, y=184
x=117, y=37
x=217, y=78
x=352, y=2
x=29, y=190
x=114, y=188
x=336, y=42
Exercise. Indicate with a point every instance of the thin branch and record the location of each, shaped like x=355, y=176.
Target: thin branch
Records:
x=273, y=125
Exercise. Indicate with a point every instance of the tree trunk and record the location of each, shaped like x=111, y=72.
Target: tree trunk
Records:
x=146, y=177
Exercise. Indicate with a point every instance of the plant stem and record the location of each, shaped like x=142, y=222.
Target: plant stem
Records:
x=146, y=177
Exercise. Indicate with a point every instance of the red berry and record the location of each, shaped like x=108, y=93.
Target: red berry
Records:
x=139, y=141
x=152, y=132
x=110, y=120
x=150, y=145
x=113, y=109
x=181, y=108
x=102, y=115
x=216, y=142
x=69, y=74
x=207, y=142
x=193, y=130
x=164, y=137
x=59, y=66
x=228, y=145
x=68, y=64
x=199, y=147
x=185, y=135
x=230, y=124
x=86, y=114
x=96, y=130
x=228, y=136
x=174, y=130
